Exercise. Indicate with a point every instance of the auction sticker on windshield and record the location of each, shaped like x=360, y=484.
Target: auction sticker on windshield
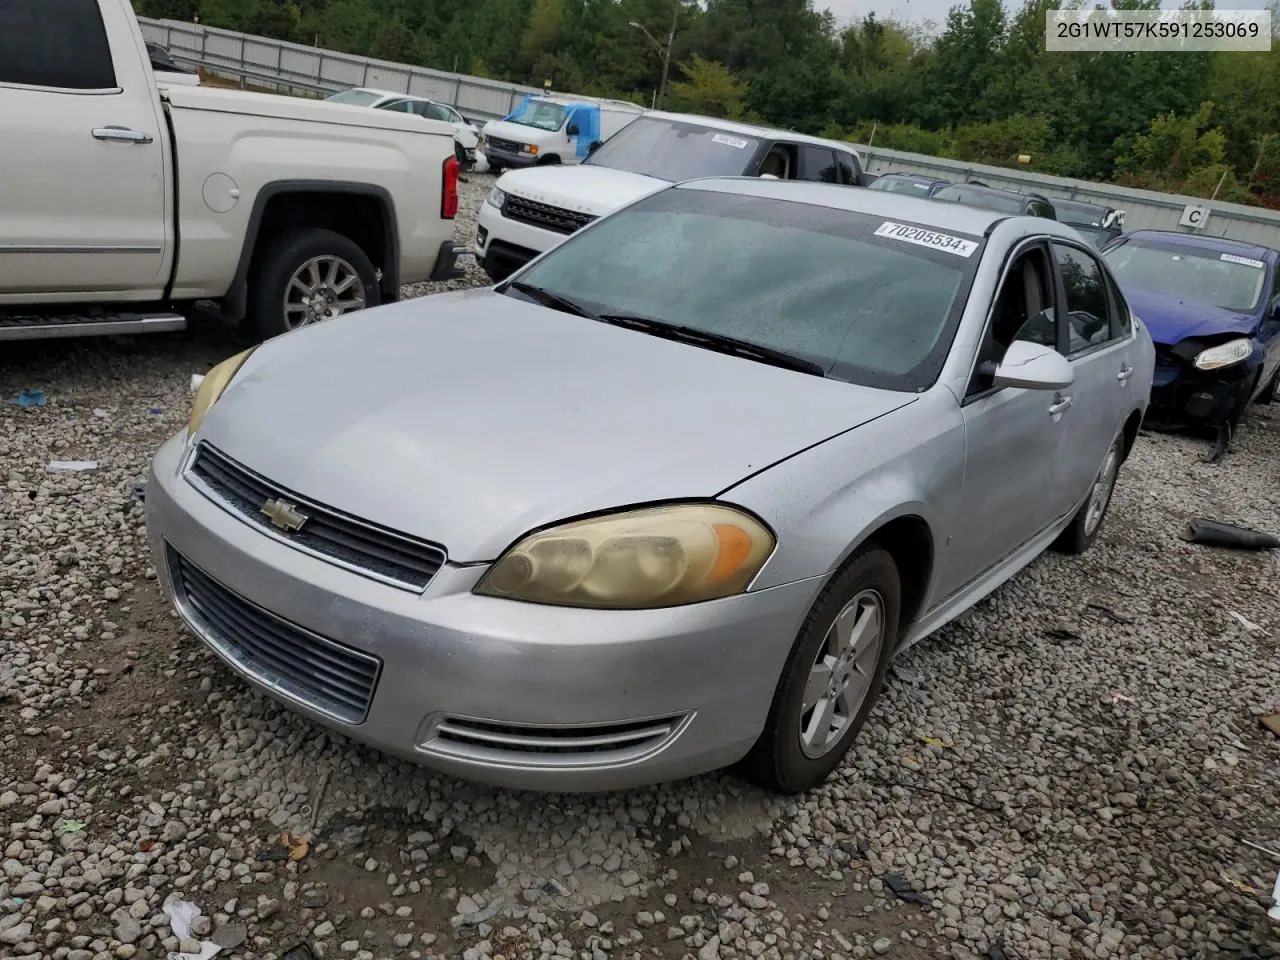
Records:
x=927, y=238
x=1247, y=261
x=729, y=141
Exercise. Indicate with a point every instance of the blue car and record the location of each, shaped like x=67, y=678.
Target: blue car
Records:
x=1213, y=309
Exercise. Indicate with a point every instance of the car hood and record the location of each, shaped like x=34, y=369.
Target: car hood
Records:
x=585, y=188
x=1171, y=320
x=472, y=418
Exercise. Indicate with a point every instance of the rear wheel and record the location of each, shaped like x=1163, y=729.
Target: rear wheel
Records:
x=1087, y=522
x=832, y=678
x=307, y=276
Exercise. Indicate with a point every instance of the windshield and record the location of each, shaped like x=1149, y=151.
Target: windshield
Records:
x=902, y=185
x=980, y=198
x=674, y=150
x=357, y=98
x=870, y=301
x=542, y=114
x=1201, y=276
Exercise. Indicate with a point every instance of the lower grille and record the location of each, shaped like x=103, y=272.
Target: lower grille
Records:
x=544, y=215
x=334, y=536
x=550, y=746
x=324, y=675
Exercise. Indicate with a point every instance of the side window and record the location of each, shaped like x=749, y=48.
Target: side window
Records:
x=817, y=164
x=398, y=106
x=1121, y=319
x=55, y=43
x=1023, y=310
x=1088, y=318
x=848, y=168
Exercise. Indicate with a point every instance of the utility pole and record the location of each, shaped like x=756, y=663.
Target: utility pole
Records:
x=663, y=51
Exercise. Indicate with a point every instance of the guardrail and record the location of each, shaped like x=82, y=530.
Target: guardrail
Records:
x=292, y=67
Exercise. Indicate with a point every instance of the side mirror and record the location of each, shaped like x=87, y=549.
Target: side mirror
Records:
x=572, y=130
x=1031, y=366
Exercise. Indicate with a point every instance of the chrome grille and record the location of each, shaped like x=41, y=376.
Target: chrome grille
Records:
x=544, y=215
x=550, y=746
x=499, y=144
x=328, y=676
x=333, y=536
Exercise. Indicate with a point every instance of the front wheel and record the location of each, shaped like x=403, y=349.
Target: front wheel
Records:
x=1087, y=522
x=832, y=678
x=307, y=276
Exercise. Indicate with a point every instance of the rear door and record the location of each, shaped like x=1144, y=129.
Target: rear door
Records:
x=817, y=164
x=1098, y=340
x=85, y=192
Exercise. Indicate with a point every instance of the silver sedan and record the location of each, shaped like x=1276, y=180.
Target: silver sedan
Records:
x=670, y=498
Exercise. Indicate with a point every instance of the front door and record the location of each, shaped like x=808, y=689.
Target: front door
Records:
x=1097, y=339
x=1014, y=437
x=85, y=197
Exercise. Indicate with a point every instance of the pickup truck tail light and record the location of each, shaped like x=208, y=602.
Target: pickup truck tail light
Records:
x=449, y=189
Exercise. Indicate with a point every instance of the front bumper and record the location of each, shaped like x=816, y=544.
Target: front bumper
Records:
x=1183, y=395
x=504, y=245
x=508, y=158
x=514, y=694
x=448, y=265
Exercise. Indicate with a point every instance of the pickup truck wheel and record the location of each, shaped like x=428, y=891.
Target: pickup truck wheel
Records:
x=308, y=276
x=833, y=676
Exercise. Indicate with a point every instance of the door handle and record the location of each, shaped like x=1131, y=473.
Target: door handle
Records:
x=1060, y=405
x=120, y=135
x=1125, y=373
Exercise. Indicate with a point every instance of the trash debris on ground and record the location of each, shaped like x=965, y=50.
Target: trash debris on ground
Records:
x=1117, y=697
x=299, y=952
x=1274, y=912
x=30, y=398
x=146, y=846
x=69, y=826
x=1212, y=533
x=71, y=466
x=1233, y=879
x=291, y=848
x=155, y=410
x=101, y=413
x=182, y=915
x=938, y=742
x=1245, y=622
x=1271, y=722
x=902, y=888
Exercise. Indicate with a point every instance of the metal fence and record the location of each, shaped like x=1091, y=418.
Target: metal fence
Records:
x=293, y=67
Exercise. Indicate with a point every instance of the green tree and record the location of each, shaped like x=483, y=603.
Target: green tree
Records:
x=710, y=88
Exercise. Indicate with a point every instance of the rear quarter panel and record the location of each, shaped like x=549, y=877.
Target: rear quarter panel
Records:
x=255, y=151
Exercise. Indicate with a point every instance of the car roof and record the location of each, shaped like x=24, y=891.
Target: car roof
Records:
x=918, y=177
x=975, y=221
x=996, y=191
x=1202, y=242
x=1080, y=206
x=751, y=129
x=393, y=93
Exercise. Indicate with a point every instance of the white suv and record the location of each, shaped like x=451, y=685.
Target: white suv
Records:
x=530, y=211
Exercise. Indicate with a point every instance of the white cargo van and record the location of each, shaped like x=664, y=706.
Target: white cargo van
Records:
x=553, y=129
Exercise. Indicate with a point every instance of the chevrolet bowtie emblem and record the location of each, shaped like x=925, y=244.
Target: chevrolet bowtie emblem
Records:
x=284, y=515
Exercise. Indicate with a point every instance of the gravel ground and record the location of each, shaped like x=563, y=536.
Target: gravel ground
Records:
x=1067, y=772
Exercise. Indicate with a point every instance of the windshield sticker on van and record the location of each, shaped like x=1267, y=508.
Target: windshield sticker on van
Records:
x=729, y=141
x=927, y=238
x=1232, y=258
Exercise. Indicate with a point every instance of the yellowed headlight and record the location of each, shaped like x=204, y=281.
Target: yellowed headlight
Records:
x=211, y=387
x=642, y=559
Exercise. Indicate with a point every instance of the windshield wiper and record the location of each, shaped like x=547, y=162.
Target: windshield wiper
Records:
x=713, y=341
x=549, y=298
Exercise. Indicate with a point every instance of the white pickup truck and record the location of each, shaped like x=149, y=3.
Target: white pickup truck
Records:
x=123, y=202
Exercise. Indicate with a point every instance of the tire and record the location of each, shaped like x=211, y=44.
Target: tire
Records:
x=550, y=161
x=286, y=257
x=1086, y=524
x=781, y=760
